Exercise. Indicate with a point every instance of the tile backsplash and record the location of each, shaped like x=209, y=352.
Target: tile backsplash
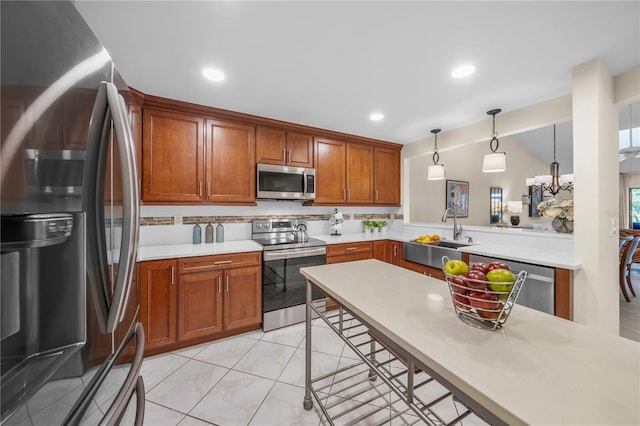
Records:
x=157, y=222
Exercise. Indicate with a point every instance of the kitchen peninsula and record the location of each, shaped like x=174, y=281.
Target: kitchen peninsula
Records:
x=538, y=369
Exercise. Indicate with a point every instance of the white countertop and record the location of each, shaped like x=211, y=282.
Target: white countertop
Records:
x=539, y=369
x=517, y=253
x=523, y=254
x=188, y=250
x=520, y=253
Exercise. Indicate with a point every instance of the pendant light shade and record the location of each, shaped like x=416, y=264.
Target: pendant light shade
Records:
x=496, y=161
x=435, y=171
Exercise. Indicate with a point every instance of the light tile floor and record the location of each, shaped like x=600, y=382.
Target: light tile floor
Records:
x=630, y=311
x=253, y=379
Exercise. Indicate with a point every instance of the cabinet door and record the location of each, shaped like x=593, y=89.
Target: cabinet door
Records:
x=173, y=157
x=386, y=176
x=76, y=115
x=330, y=171
x=242, y=297
x=300, y=150
x=14, y=103
x=130, y=313
x=359, y=174
x=135, y=116
x=199, y=304
x=158, y=302
x=394, y=250
x=381, y=250
x=271, y=146
x=231, y=174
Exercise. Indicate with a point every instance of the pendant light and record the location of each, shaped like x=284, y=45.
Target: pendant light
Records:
x=435, y=171
x=553, y=182
x=496, y=161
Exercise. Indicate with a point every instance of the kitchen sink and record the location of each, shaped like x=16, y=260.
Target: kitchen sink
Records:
x=452, y=244
x=431, y=254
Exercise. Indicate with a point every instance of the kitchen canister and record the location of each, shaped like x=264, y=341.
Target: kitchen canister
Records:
x=219, y=233
x=197, y=234
x=208, y=234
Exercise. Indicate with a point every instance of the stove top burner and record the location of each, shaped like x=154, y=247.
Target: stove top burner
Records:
x=278, y=234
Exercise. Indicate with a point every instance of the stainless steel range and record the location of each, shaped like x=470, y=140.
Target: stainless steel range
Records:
x=287, y=248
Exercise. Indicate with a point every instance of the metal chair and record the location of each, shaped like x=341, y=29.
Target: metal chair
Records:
x=628, y=250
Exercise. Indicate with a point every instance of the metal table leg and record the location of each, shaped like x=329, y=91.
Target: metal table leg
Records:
x=308, y=402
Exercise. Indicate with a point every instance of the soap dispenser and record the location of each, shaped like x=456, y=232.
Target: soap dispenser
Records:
x=209, y=234
x=197, y=234
x=219, y=233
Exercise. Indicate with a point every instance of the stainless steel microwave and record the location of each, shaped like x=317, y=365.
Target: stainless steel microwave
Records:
x=285, y=183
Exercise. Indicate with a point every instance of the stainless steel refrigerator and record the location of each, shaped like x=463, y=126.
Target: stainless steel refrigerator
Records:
x=71, y=343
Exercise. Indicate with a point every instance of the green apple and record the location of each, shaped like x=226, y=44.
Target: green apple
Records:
x=456, y=267
x=501, y=280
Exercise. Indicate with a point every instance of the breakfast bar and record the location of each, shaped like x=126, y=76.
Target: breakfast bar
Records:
x=537, y=369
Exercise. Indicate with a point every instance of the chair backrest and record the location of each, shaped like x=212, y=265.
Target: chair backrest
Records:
x=630, y=250
x=624, y=241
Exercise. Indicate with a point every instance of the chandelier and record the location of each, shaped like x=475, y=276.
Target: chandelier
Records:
x=553, y=182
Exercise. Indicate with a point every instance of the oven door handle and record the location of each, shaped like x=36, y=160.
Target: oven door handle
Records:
x=294, y=253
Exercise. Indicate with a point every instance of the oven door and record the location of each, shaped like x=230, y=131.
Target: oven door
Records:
x=283, y=286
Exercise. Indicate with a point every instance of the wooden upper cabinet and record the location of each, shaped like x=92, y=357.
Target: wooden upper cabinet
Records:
x=386, y=176
x=231, y=161
x=330, y=171
x=173, y=157
x=271, y=146
x=277, y=146
x=300, y=148
x=359, y=174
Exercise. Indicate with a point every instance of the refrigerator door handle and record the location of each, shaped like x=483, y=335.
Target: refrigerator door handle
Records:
x=93, y=195
x=130, y=206
x=132, y=383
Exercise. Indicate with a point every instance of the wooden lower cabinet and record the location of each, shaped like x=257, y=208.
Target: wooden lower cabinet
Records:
x=199, y=304
x=242, y=297
x=179, y=309
x=347, y=252
x=422, y=269
x=158, y=302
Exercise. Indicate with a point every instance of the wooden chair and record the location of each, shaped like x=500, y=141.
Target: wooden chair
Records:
x=628, y=250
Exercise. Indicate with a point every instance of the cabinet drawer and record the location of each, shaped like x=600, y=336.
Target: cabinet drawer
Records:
x=348, y=257
x=220, y=261
x=349, y=249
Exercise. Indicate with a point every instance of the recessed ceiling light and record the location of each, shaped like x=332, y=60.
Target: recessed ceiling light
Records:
x=213, y=74
x=463, y=71
x=376, y=116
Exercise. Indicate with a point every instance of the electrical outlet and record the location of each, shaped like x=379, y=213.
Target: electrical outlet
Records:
x=614, y=227
x=177, y=219
x=351, y=216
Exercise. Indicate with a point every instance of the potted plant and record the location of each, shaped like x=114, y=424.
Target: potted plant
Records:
x=369, y=225
x=382, y=225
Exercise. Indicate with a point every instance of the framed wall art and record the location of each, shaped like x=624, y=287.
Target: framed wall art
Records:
x=457, y=197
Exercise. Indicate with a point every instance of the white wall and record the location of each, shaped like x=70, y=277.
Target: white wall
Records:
x=471, y=143
x=464, y=162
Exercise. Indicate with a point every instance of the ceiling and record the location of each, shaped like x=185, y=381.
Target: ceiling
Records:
x=331, y=64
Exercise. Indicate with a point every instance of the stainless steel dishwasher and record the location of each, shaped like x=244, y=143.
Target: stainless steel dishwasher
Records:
x=538, y=291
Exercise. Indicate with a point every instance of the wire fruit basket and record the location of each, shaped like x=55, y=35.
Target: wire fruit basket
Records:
x=483, y=304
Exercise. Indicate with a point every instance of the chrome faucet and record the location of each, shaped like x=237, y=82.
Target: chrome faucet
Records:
x=457, y=229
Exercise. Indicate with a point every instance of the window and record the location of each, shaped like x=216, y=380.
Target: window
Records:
x=634, y=207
